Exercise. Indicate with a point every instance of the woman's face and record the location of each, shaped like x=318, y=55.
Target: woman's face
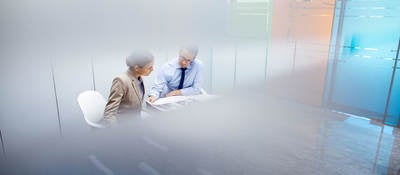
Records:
x=146, y=70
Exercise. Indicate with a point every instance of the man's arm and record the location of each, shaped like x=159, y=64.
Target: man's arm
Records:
x=160, y=83
x=114, y=100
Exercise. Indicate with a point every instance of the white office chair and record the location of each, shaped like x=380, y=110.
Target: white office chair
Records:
x=92, y=105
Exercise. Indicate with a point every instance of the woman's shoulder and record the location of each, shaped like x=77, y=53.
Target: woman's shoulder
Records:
x=123, y=78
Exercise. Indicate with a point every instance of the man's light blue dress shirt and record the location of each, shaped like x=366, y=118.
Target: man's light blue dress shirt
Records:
x=169, y=76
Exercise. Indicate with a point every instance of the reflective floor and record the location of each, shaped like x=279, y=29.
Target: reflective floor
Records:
x=233, y=135
x=354, y=145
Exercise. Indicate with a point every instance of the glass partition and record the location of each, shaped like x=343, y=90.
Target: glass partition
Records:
x=364, y=43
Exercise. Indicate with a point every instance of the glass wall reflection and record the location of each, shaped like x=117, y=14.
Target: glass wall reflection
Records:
x=365, y=39
x=374, y=151
x=393, y=107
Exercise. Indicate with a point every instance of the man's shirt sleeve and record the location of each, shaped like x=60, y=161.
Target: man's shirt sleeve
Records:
x=159, y=83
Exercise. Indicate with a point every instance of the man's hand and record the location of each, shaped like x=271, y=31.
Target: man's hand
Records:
x=151, y=99
x=174, y=93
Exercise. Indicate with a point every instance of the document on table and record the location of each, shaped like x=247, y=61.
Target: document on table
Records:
x=175, y=102
x=168, y=100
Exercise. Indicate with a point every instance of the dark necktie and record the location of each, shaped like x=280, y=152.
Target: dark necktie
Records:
x=182, y=78
x=141, y=86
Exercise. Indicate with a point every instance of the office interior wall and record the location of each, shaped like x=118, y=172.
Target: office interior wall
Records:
x=206, y=56
x=79, y=35
x=87, y=43
x=250, y=64
x=233, y=37
x=223, y=68
x=239, y=60
x=299, y=48
x=71, y=79
x=28, y=108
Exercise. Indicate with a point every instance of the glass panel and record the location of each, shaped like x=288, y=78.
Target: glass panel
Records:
x=363, y=66
x=239, y=59
x=73, y=75
x=250, y=65
x=28, y=110
x=393, y=111
x=223, y=68
x=205, y=55
x=250, y=19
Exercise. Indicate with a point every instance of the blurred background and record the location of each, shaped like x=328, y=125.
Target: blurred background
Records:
x=338, y=55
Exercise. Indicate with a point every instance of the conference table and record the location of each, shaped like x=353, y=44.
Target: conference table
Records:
x=228, y=135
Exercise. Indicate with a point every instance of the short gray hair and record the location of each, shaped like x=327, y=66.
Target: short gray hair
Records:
x=193, y=49
x=139, y=58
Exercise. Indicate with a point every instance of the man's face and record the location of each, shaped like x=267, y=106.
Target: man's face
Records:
x=185, y=58
x=147, y=69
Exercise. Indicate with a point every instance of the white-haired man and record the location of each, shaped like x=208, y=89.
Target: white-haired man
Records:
x=181, y=76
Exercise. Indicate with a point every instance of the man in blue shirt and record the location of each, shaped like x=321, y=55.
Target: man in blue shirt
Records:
x=180, y=76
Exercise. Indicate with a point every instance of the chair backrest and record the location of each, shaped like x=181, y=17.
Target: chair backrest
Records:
x=92, y=104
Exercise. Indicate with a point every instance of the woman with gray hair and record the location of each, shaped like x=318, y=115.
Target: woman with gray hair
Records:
x=127, y=90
